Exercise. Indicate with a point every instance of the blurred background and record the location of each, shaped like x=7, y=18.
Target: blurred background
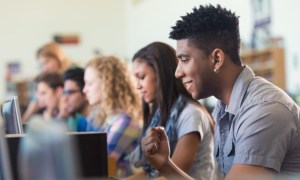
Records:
x=269, y=34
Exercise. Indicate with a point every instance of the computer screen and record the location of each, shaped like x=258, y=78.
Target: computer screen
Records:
x=10, y=111
x=46, y=152
x=5, y=170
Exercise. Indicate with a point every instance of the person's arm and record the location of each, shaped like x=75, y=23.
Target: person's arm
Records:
x=157, y=152
x=136, y=176
x=184, y=157
x=63, y=113
x=31, y=109
x=242, y=171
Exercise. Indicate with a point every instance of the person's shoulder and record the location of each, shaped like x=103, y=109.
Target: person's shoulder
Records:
x=128, y=125
x=267, y=113
x=122, y=115
x=193, y=119
x=193, y=114
x=260, y=91
x=192, y=108
x=124, y=119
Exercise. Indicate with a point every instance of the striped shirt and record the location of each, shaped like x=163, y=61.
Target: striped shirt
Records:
x=122, y=137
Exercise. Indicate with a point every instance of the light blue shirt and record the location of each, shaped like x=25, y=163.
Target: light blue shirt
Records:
x=259, y=127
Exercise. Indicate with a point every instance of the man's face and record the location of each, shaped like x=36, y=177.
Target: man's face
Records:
x=194, y=70
x=75, y=100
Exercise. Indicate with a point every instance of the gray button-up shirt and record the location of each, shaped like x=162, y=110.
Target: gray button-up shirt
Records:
x=259, y=127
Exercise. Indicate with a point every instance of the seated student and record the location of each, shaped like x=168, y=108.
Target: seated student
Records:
x=257, y=124
x=49, y=89
x=76, y=107
x=52, y=59
x=167, y=103
x=109, y=88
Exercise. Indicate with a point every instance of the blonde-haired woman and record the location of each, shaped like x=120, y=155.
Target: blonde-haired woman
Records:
x=109, y=88
x=52, y=59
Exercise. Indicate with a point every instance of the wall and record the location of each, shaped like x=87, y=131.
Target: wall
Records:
x=151, y=20
x=26, y=25
x=286, y=24
x=121, y=27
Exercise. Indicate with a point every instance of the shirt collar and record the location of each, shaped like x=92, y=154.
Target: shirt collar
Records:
x=239, y=89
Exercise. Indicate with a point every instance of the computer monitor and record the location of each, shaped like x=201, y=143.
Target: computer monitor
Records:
x=46, y=152
x=10, y=111
x=91, y=150
x=5, y=170
x=92, y=153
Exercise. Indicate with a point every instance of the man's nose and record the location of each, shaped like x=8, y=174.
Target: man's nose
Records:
x=179, y=72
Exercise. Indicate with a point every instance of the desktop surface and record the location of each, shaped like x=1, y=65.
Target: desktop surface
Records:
x=91, y=151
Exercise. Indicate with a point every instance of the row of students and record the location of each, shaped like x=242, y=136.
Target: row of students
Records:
x=109, y=88
x=106, y=86
x=51, y=59
x=250, y=110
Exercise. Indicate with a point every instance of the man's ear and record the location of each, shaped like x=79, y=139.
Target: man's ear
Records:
x=217, y=59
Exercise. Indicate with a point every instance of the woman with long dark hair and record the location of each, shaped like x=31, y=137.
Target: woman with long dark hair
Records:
x=167, y=103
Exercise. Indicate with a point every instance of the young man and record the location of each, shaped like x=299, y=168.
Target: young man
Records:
x=76, y=106
x=257, y=124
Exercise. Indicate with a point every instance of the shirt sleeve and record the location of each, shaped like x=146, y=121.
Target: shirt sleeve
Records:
x=263, y=135
x=192, y=119
x=122, y=136
x=81, y=124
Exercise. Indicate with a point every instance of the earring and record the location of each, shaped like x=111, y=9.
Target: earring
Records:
x=216, y=71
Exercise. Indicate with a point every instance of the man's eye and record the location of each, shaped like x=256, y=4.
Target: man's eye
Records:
x=184, y=60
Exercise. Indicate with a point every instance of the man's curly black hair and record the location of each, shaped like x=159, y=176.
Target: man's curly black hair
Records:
x=210, y=27
x=75, y=74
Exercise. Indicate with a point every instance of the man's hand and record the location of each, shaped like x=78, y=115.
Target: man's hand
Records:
x=63, y=111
